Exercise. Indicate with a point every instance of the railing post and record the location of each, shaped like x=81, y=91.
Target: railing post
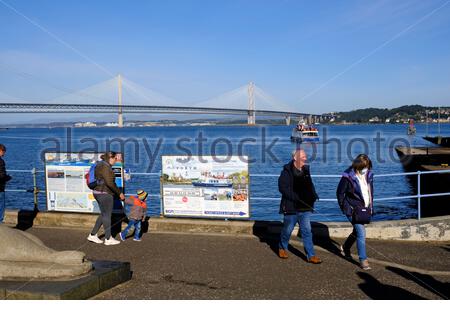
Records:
x=161, y=205
x=35, y=191
x=419, y=196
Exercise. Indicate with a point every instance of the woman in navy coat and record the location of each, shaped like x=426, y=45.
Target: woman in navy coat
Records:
x=355, y=198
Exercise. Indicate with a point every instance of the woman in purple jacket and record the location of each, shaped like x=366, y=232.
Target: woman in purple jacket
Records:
x=355, y=198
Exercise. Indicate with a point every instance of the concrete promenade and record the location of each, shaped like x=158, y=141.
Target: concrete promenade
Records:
x=427, y=229
x=168, y=265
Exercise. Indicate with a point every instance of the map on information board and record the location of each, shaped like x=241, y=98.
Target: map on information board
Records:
x=66, y=184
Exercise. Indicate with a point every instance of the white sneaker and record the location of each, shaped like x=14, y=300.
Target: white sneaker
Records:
x=365, y=265
x=111, y=241
x=94, y=238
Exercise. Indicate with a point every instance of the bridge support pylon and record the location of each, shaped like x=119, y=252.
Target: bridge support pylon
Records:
x=120, y=118
x=288, y=120
x=251, y=118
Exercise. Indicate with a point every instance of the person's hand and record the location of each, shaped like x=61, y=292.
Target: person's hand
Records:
x=122, y=197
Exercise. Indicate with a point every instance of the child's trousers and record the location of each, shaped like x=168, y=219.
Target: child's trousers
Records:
x=137, y=228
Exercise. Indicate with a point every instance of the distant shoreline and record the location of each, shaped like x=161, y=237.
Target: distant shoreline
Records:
x=56, y=126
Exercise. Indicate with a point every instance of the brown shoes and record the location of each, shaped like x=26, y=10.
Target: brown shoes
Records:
x=282, y=254
x=314, y=260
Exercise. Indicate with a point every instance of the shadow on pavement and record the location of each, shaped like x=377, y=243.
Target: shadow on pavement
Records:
x=145, y=225
x=322, y=239
x=25, y=219
x=269, y=232
x=428, y=282
x=374, y=289
x=116, y=223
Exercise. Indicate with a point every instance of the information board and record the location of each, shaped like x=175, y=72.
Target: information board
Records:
x=205, y=186
x=66, y=183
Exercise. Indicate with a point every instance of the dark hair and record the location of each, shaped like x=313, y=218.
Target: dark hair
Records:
x=361, y=161
x=2, y=147
x=108, y=155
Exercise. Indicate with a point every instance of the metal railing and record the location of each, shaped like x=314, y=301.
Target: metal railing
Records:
x=35, y=189
x=417, y=196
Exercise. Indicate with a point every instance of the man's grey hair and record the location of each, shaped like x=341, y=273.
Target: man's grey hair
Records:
x=295, y=151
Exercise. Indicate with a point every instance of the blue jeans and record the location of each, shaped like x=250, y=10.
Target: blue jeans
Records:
x=2, y=206
x=137, y=228
x=304, y=221
x=358, y=235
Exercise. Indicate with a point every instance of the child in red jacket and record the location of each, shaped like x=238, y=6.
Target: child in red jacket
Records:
x=138, y=212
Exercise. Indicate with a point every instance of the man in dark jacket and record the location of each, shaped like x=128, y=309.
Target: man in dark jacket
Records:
x=297, y=202
x=4, y=178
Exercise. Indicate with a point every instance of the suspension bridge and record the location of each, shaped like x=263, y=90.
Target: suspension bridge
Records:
x=120, y=96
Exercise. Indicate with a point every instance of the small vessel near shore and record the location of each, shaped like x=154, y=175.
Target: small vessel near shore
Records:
x=411, y=128
x=304, y=133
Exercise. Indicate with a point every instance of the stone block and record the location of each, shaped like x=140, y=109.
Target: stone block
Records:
x=106, y=274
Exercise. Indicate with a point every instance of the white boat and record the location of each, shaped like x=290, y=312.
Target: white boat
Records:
x=304, y=133
x=212, y=182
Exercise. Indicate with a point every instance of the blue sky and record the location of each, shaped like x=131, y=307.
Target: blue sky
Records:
x=316, y=56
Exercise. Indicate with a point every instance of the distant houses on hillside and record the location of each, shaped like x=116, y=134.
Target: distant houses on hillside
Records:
x=402, y=114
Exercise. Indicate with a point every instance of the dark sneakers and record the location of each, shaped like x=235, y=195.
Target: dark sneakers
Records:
x=314, y=260
x=282, y=254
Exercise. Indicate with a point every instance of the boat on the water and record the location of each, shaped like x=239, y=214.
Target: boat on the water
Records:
x=411, y=129
x=304, y=133
x=213, y=182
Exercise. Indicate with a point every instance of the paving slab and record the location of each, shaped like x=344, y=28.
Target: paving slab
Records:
x=200, y=266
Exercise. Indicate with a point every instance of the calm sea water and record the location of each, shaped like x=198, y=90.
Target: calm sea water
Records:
x=268, y=147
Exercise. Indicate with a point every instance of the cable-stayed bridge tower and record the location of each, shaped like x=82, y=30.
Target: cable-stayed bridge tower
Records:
x=119, y=90
x=251, y=119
